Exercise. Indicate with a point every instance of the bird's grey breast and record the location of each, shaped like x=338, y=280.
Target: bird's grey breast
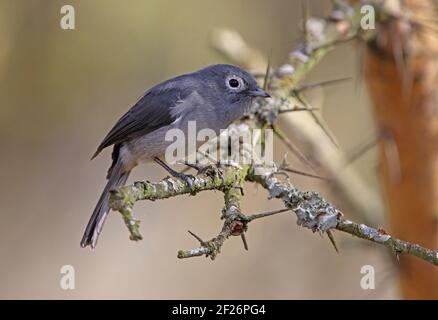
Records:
x=208, y=110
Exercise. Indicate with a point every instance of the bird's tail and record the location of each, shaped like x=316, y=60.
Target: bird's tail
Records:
x=116, y=177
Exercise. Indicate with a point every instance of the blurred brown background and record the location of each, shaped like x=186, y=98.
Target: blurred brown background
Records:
x=60, y=93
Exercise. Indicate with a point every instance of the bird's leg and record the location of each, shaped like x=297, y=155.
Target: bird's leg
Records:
x=192, y=165
x=187, y=178
x=211, y=170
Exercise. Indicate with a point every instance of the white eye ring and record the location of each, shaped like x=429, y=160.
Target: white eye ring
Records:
x=234, y=83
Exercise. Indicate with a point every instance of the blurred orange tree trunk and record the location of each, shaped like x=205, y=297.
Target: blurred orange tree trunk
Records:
x=402, y=75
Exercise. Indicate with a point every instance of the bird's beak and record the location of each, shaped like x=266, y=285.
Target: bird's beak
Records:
x=259, y=93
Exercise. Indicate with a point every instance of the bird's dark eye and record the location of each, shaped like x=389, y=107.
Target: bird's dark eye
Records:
x=234, y=83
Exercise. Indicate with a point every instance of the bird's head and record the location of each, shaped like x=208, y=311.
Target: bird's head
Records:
x=233, y=83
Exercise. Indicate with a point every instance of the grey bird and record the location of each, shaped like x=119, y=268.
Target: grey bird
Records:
x=214, y=97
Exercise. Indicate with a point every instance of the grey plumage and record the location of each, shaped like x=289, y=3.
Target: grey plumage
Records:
x=213, y=97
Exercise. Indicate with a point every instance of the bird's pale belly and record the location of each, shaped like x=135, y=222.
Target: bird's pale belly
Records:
x=155, y=144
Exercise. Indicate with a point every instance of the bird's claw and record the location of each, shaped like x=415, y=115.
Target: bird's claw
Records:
x=188, y=179
x=210, y=170
x=213, y=171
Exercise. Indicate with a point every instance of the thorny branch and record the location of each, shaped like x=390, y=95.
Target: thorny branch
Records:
x=312, y=211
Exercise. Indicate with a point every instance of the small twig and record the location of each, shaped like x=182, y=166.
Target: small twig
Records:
x=397, y=246
x=132, y=224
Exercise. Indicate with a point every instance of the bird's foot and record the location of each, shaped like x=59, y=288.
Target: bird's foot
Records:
x=187, y=178
x=210, y=170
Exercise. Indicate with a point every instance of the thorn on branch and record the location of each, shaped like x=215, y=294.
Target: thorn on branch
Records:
x=336, y=42
x=266, y=214
x=291, y=146
x=305, y=87
x=318, y=121
x=297, y=109
x=245, y=244
x=266, y=78
x=287, y=169
x=202, y=242
x=361, y=150
x=332, y=240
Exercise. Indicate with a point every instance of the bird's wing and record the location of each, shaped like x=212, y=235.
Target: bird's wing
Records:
x=152, y=111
